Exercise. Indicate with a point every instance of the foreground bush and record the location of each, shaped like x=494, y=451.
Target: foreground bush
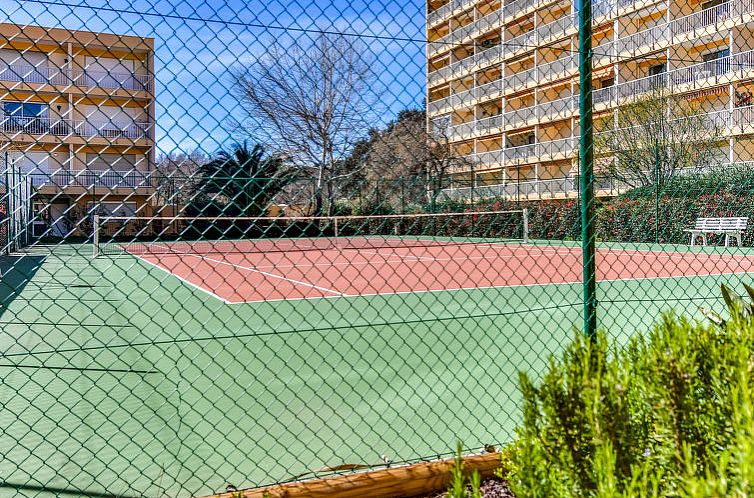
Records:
x=671, y=414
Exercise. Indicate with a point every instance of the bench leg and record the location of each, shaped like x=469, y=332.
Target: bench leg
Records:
x=727, y=240
x=704, y=239
x=739, y=238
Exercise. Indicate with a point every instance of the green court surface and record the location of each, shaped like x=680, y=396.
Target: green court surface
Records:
x=115, y=371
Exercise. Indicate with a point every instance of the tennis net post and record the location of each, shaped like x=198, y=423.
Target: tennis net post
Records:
x=95, y=235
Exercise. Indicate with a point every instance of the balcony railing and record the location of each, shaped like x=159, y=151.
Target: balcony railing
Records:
x=514, y=8
x=565, y=186
x=82, y=78
x=525, y=41
x=441, y=13
x=556, y=29
x=521, y=117
x=559, y=67
x=91, y=178
x=682, y=76
x=560, y=108
x=61, y=127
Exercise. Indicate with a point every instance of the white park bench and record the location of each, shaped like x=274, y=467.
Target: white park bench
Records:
x=728, y=226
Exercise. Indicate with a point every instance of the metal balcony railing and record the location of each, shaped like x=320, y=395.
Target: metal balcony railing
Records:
x=556, y=29
x=566, y=185
x=559, y=67
x=518, y=6
x=62, y=127
x=91, y=178
x=522, y=42
x=521, y=117
x=84, y=78
x=724, y=66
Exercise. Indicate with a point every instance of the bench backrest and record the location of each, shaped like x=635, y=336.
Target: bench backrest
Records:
x=721, y=223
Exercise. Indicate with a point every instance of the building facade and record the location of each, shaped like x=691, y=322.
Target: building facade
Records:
x=503, y=83
x=76, y=124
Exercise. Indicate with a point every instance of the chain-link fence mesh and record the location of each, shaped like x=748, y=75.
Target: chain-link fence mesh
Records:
x=251, y=242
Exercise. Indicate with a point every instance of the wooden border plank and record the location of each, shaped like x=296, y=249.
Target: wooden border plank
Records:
x=402, y=481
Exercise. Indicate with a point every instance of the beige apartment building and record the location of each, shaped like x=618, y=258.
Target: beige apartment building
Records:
x=76, y=123
x=502, y=81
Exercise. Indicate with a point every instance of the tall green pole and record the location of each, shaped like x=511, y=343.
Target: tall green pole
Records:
x=586, y=157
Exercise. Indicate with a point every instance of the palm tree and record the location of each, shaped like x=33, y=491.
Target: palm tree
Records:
x=244, y=179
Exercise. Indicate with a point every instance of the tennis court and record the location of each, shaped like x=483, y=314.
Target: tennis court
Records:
x=270, y=270
x=175, y=381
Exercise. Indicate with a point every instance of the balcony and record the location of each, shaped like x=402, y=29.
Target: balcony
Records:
x=487, y=57
x=559, y=68
x=516, y=188
x=62, y=127
x=76, y=77
x=556, y=29
x=528, y=153
x=92, y=178
x=518, y=7
x=521, y=80
x=658, y=37
x=524, y=116
x=445, y=11
x=566, y=186
x=558, y=109
x=720, y=70
x=521, y=43
x=520, y=117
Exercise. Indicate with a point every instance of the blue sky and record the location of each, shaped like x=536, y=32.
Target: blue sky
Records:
x=194, y=58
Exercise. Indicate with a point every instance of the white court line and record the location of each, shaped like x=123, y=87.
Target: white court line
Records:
x=298, y=282
x=548, y=250
x=268, y=274
x=487, y=287
x=188, y=282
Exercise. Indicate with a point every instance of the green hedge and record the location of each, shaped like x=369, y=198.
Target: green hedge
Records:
x=642, y=216
x=671, y=414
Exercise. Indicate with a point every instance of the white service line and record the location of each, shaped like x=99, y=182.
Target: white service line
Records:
x=268, y=274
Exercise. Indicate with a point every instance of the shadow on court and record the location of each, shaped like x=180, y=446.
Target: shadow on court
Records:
x=16, y=273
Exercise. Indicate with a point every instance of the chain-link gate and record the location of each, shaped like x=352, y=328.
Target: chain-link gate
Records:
x=253, y=242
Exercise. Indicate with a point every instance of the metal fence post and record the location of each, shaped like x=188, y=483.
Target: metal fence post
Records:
x=586, y=156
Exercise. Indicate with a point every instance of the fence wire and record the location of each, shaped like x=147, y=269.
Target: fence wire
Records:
x=245, y=243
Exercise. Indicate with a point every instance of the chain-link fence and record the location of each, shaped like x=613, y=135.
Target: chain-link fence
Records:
x=252, y=242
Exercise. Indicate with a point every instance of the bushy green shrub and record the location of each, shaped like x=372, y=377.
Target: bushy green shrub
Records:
x=670, y=414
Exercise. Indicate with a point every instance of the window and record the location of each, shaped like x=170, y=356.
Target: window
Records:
x=25, y=109
x=717, y=62
x=719, y=54
x=607, y=82
x=656, y=69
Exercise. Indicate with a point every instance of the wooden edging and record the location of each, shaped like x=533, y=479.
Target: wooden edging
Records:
x=403, y=481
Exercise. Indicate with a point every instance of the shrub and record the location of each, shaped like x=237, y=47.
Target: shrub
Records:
x=670, y=414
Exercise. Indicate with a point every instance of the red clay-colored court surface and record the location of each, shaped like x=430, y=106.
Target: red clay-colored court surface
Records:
x=247, y=272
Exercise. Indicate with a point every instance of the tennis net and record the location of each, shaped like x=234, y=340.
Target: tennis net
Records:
x=116, y=235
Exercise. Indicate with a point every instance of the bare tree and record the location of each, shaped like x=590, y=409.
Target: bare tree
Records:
x=403, y=163
x=441, y=161
x=311, y=104
x=176, y=175
x=657, y=137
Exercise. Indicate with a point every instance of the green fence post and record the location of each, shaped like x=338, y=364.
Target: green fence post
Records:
x=586, y=156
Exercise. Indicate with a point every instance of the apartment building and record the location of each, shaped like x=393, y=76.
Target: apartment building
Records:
x=502, y=81
x=76, y=123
